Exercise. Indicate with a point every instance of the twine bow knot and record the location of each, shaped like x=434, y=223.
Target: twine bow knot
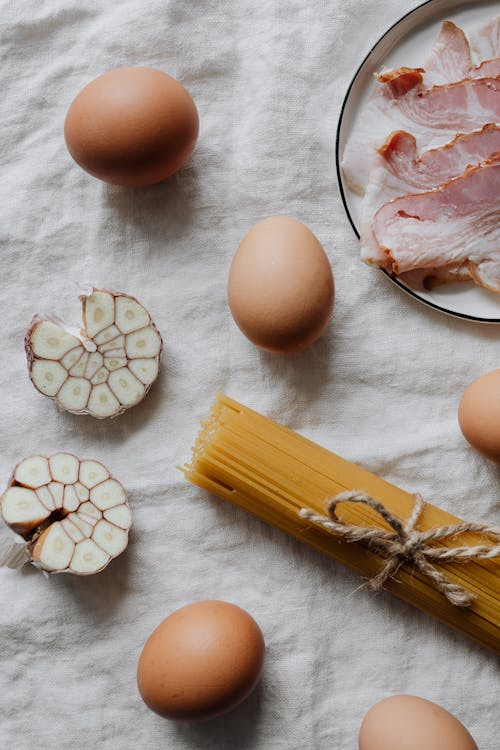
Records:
x=406, y=544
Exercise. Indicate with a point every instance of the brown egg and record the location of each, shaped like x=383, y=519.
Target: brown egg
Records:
x=280, y=286
x=405, y=721
x=479, y=415
x=201, y=662
x=132, y=126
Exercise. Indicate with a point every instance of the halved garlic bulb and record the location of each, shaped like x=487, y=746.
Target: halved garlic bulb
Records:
x=73, y=515
x=108, y=367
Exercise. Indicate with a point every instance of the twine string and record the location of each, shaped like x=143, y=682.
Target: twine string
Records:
x=406, y=544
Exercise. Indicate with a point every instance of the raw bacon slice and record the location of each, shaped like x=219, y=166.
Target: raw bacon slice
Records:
x=485, y=42
x=450, y=59
x=401, y=80
x=463, y=106
x=487, y=69
x=455, y=224
x=434, y=116
x=399, y=170
x=438, y=165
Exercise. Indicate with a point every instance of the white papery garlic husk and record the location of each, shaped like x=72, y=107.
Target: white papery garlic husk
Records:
x=103, y=369
x=72, y=514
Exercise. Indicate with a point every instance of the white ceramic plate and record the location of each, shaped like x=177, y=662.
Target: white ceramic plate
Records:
x=408, y=43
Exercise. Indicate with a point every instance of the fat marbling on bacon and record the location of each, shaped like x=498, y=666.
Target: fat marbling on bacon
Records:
x=457, y=224
x=434, y=116
x=399, y=169
x=452, y=58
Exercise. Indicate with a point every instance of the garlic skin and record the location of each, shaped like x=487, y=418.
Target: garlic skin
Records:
x=107, y=367
x=72, y=513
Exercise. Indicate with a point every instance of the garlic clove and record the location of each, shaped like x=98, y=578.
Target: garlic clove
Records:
x=45, y=497
x=89, y=558
x=115, y=363
x=57, y=504
x=22, y=510
x=107, y=335
x=71, y=500
x=84, y=527
x=48, y=376
x=126, y=387
x=119, y=515
x=118, y=335
x=144, y=369
x=98, y=312
x=108, y=536
x=72, y=357
x=115, y=353
x=143, y=343
x=89, y=509
x=50, y=341
x=117, y=343
x=53, y=549
x=33, y=472
x=100, y=377
x=107, y=494
x=56, y=489
x=72, y=530
x=78, y=370
x=81, y=491
x=94, y=364
x=90, y=520
x=102, y=402
x=130, y=314
x=64, y=467
x=92, y=473
x=74, y=394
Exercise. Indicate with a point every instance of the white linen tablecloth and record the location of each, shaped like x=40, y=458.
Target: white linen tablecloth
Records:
x=381, y=387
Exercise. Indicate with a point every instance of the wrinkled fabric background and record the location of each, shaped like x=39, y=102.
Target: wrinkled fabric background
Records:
x=380, y=388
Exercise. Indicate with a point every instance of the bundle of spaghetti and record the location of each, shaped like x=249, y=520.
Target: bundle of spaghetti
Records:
x=273, y=473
